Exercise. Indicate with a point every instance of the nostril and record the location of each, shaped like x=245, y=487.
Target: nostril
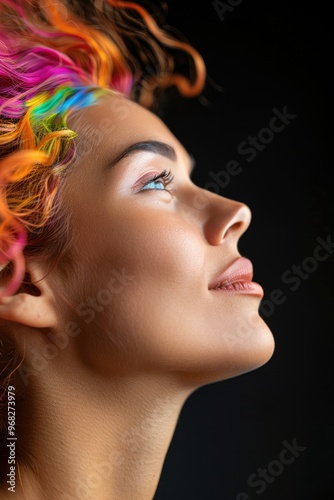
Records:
x=239, y=222
x=230, y=220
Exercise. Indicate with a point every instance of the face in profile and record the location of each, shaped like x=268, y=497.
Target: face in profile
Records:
x=161, y=283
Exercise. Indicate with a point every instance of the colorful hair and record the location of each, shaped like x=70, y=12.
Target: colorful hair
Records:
x=57, y=57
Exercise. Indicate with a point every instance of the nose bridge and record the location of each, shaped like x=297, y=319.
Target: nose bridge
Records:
x=223, y=217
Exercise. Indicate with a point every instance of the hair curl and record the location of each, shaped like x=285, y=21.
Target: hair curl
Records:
x=58, y=56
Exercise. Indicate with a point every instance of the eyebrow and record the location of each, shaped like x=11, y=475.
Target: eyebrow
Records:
x=156, y=147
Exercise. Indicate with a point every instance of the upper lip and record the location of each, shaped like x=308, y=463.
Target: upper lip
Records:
x=239, y=271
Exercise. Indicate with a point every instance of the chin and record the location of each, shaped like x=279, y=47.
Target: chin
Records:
x=256, y=352
x=241, y=356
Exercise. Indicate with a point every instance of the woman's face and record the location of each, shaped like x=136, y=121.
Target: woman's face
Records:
x=146, y=253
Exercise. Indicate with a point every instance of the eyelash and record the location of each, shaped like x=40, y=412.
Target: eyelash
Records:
x=166, y=178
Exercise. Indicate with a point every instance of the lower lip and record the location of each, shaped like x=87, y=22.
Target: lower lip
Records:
x=244, y=287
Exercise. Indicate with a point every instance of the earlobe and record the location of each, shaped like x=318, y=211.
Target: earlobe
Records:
x=28, y=307
x=29, y=310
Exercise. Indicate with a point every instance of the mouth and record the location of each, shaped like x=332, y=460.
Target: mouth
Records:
x=237, y=278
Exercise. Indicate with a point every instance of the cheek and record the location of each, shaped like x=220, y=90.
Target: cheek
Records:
x=162, y=250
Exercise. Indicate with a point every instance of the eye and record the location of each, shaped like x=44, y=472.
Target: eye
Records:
x=162, y=179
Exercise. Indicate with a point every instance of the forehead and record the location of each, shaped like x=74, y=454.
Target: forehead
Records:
x=113, y=123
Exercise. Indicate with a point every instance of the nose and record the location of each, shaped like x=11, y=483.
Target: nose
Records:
x=224, y=218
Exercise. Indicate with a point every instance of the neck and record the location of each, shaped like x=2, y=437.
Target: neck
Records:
x=95, y=438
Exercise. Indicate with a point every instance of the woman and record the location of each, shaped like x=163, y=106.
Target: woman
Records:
x=122, y=288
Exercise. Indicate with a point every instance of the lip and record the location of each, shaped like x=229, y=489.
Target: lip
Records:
x=237, y=278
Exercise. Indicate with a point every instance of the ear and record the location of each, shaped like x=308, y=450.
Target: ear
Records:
x=34, y=305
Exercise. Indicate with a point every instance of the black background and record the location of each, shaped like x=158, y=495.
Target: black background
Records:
x=265, y=55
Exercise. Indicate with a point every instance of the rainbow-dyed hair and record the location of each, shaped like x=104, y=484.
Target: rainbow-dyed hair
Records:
x=56, y=57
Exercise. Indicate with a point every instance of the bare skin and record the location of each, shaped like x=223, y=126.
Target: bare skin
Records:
x=143, y=329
